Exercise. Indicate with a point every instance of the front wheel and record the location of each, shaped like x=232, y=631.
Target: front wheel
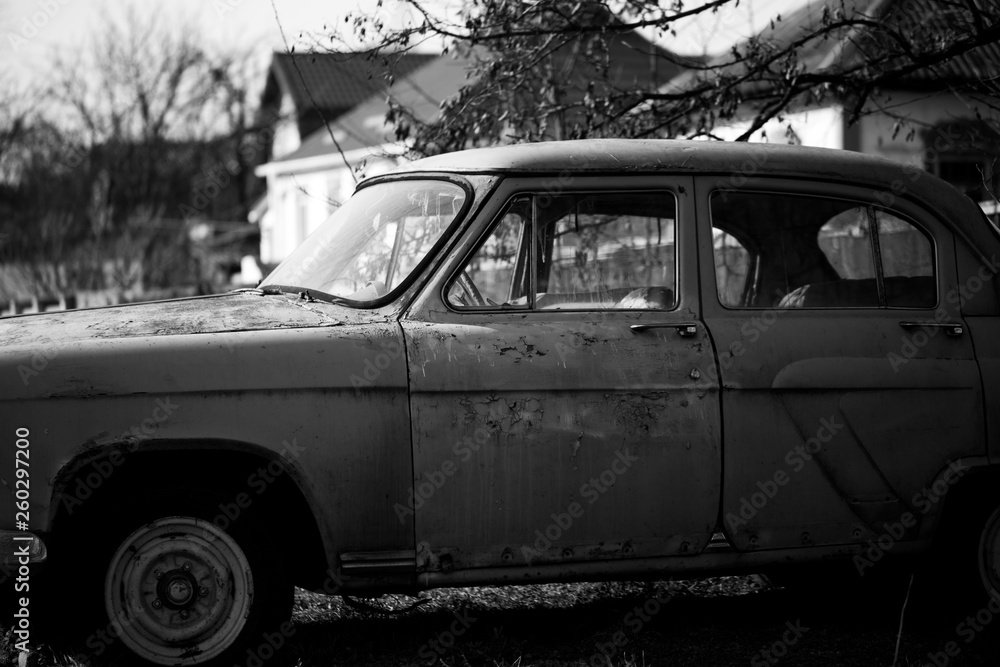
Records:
x=180, y=590
x=989, y=556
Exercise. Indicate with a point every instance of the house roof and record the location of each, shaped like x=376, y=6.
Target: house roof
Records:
x=912, y=18
x=915, y=19
x=636, y=63
x=334, y=82
x=421, y=90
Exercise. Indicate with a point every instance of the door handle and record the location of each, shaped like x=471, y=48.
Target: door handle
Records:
x=950, y=328
x=685, y=329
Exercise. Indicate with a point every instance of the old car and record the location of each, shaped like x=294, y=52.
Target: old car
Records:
x=576, y=360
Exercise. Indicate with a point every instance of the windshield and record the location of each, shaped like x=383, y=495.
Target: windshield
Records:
x=372, y=243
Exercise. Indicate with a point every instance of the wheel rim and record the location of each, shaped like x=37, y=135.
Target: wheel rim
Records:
x=989, y=556
x=178, y=591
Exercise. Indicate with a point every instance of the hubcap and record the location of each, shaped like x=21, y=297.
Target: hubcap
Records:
x=989, y=556
x=178, y=590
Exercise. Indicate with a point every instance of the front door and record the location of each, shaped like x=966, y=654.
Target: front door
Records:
x=557, y=406
x=848, y=378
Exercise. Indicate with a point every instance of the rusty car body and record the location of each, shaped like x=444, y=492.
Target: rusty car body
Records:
x=546, y=362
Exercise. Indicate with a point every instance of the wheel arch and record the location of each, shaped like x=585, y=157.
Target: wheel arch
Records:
x=976, y=492
x=88, y=486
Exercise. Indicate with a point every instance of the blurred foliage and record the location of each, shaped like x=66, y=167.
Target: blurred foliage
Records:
x=107, y=164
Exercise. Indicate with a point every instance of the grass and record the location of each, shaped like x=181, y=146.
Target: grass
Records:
x=718, y=621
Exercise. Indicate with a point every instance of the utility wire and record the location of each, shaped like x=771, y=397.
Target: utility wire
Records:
x=319, y=111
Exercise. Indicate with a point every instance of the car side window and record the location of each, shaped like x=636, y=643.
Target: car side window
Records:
x=733, y=264
x=821, y=252
x=605, y=251
x=582, y=251
x=907, y=263
x=497, y=274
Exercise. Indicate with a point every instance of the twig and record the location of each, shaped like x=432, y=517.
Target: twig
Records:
x=902, y=613
x=358, y=604
x=319, y=111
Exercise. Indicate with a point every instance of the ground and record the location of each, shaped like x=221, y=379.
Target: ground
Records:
x=711, y=622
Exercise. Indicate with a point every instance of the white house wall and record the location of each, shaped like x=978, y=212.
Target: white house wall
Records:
x=820, y=127
x=298, y=203
x=286, y=130
x=924, y=111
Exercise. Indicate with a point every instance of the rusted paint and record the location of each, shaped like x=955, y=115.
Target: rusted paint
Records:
x=503, y=421
x=213, y=314
x=896, y=423
x=253, y=389
x=528, y=411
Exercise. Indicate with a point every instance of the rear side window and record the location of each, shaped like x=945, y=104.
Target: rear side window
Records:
x=818, y=252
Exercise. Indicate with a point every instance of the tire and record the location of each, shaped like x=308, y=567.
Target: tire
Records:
x=959, y=572
x=988, y=556
x=181, y=590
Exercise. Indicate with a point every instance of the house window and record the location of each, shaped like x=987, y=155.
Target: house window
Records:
x=302, y=216
x=964, y=153
x=332, y=192
x=974, y=175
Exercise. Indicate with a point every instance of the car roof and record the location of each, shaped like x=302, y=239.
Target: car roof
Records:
x=730, y=159
x=658, y=155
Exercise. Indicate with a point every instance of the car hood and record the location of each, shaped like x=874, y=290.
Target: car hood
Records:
x=226, y=343
x=245, y=311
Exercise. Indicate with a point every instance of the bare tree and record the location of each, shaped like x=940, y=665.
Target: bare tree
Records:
x=516, y=48
x=132, y=128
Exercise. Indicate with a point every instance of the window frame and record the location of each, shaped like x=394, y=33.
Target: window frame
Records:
x=531, y=305
x=519, y=265
x=871, y=210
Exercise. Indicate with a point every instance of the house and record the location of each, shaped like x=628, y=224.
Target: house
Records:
x=309, y=173
x=919, y=120
x=306, y=175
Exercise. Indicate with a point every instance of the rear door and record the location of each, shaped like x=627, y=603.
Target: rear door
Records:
x=557, y=406
x=848, y=380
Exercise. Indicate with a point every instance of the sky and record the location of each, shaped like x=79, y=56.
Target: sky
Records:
x=31, y=30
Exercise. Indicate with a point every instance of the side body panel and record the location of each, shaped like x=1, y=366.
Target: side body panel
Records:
x=560, y=437
x=979, y=296
x=330, y=402
x=838, y=421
